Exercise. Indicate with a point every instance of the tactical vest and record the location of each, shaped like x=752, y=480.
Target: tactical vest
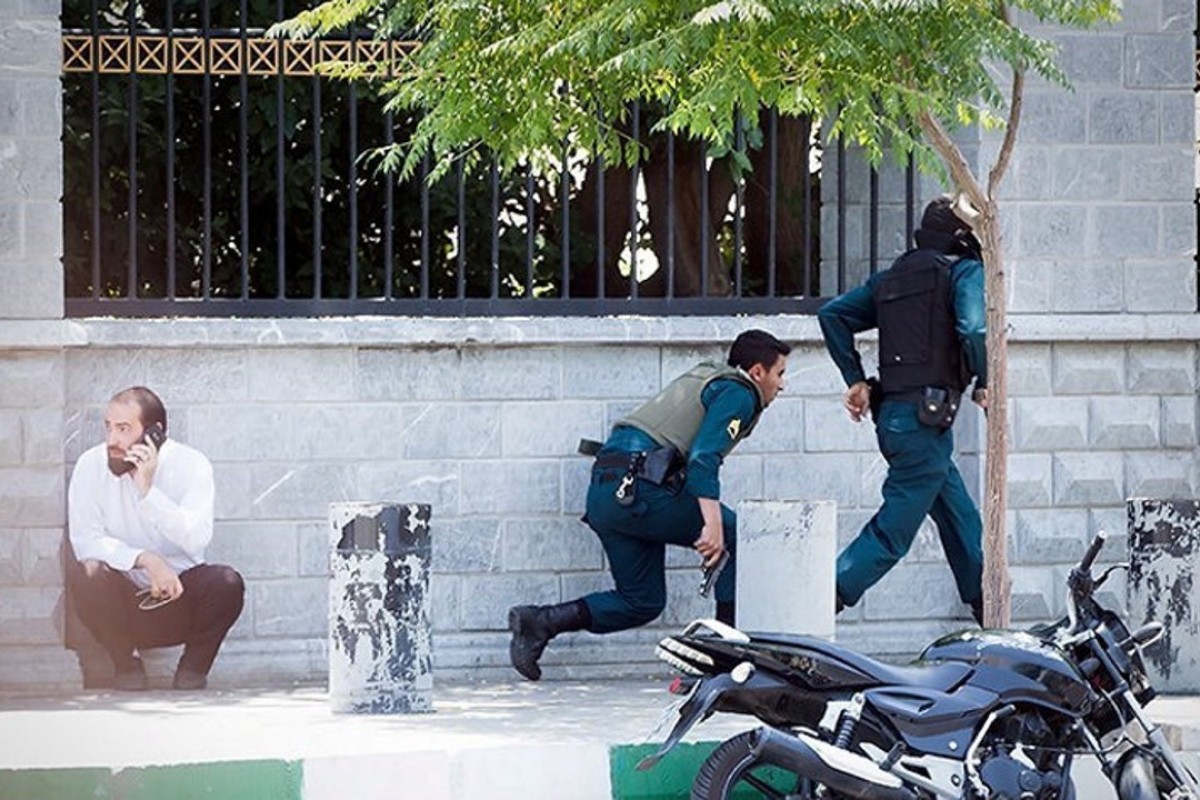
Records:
x=673, y=416
x=918, y=343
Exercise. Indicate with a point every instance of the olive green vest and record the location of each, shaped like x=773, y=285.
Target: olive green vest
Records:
x=674, y=415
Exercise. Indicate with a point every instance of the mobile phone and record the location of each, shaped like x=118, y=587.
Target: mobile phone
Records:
x=154, y=434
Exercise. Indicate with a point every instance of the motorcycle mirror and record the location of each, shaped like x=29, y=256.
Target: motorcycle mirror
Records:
x=1148, y=634
x=1103, y=577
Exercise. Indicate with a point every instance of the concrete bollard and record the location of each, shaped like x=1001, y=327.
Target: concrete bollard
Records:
x=786, y=551
x=380, y=656
x=1164, y=568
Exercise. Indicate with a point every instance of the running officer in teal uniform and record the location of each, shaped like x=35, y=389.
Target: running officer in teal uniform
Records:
x=656, y=482
x=929, y=309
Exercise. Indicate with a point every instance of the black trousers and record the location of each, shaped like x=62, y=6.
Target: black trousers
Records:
x=106, y=602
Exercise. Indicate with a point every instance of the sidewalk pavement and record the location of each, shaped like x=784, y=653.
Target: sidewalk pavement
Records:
x=499, y=741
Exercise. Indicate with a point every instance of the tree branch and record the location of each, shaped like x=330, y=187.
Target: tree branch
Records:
x=1014, y=122
x=960, y=171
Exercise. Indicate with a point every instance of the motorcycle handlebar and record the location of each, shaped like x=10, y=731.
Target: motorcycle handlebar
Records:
x=1093, y=551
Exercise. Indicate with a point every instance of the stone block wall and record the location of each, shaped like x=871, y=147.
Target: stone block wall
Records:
x=480, y=418
x=485, y=433
x=1104, y=177
x=1097, y=207
x=30, y=161
x=482, y=424
x=32, y=492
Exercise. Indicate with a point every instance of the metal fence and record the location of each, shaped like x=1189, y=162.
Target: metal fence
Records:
x=210, y=171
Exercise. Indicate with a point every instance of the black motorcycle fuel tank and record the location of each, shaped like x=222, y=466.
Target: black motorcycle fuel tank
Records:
x=933, y=721
x=1018, y=667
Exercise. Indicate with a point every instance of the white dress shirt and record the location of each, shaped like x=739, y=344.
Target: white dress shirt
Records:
x=111, y=522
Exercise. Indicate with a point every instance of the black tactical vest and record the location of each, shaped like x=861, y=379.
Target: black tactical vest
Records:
x=918, y=343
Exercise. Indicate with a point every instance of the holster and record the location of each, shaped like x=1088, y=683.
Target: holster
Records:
x=661, y=465
x=938, y=407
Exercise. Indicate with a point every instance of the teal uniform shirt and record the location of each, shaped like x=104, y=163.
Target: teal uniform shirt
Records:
x=854, y=312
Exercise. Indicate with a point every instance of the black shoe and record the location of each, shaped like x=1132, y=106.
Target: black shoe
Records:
x=130, y=677
x=188, y=680
x=534, y=626
x=977, y=612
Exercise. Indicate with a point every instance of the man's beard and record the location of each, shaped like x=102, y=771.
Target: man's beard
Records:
x=117, y=465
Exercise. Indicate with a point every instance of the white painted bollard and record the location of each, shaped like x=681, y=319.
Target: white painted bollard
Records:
x=786, y=551
x=1164, y=567
x=380, y=656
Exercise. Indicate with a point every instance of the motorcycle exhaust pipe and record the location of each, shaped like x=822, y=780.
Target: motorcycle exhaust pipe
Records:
x=846, y=773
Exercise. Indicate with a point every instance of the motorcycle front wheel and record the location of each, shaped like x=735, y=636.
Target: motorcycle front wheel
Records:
x=734, y=768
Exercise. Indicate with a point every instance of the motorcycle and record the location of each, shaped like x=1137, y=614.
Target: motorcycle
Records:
x=997, y=714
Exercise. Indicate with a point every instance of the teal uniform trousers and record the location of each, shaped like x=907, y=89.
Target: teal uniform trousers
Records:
x=635, y=540
x=922, y=480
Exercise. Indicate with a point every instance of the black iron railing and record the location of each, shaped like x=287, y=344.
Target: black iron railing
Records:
x=211, y=171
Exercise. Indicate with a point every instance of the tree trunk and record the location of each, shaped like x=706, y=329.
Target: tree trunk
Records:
x=585, y=236
x=792, y=231
x=997, y=586
x=996, y=582
x=685, y=192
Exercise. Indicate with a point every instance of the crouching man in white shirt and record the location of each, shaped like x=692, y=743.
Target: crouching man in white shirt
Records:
x=140, y=512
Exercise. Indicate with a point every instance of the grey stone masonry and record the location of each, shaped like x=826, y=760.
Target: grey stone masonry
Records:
x=1097, y=209
x=32, y=372
x=30, y=163
x=1099, y=230
x=1120, y=421
x=501, y=474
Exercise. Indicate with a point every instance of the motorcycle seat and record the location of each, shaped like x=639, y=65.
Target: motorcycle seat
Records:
x=860, y=670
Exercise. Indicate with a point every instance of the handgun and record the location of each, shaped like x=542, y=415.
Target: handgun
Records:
x=712, y=572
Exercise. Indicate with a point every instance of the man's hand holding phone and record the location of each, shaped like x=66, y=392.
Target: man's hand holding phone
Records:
x=143, y=455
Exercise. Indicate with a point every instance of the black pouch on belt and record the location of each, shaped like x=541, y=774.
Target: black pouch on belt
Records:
x=661, y=464
x=938, y=407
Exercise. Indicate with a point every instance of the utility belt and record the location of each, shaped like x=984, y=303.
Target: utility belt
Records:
x=662, y=466
x=937, y=406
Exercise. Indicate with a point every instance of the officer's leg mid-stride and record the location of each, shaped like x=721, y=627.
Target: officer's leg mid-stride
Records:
x=960, y=529
x=922, y=480
x=634, y=538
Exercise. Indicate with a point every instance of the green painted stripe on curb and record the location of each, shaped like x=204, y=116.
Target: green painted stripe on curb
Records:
x=670, y=779
x=56, y=784
x=254, y=780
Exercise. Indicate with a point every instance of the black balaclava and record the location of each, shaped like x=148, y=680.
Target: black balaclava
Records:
x=943, y=230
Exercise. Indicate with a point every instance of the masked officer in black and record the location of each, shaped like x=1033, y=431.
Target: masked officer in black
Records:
x=654, y=483
x=929, y=308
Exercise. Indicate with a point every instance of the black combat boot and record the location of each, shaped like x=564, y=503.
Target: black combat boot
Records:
x=726, y=612
x=534, y=626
